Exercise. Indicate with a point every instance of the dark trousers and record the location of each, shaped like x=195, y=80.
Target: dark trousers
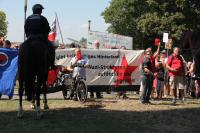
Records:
x=147, y=82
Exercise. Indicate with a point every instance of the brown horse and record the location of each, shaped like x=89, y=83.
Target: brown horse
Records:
x=33, y=70
x=191, y=43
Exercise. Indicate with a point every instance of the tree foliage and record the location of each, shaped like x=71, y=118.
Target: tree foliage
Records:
x=3, y=24
x=146, y=19
x=122, y=15
x=83, y=40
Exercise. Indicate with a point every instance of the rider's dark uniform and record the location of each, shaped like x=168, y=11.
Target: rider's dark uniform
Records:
x=37, y=25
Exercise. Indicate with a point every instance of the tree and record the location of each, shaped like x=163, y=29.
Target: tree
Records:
x=146, y=19
x=83, y=42
x=3, y=24
x=122, y=15
x=173, y=16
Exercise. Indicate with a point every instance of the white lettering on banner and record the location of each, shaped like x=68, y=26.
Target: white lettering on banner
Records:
x=107, y=66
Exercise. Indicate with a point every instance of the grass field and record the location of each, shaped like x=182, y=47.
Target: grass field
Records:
x=103, y=116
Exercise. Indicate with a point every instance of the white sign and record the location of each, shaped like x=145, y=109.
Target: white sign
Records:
x=107, y=67
x=109, y=41
x=165, y=37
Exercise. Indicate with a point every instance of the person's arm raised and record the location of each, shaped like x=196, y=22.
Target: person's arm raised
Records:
x=157, y=51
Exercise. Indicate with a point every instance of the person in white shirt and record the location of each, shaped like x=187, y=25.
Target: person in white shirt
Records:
x=79, y=64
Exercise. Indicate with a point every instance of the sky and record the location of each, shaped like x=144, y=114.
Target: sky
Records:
x=73, y=16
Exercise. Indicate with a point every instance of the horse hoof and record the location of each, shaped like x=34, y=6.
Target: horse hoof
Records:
x=33, y=106
x=46, y=106
x=20, y=115
x=39, y=115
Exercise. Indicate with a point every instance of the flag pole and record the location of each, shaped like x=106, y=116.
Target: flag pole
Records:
x=59, y=28
x=25, y=9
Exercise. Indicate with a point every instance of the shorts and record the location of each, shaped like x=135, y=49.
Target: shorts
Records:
x=177, y=82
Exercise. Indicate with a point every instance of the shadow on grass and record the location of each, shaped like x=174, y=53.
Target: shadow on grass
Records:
x=97, y=120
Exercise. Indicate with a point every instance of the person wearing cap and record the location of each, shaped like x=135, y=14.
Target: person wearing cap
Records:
x=37, y=25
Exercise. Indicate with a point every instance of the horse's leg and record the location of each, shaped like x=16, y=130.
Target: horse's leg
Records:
x=38, y=92
x=45, y=97
x=44, y=85
x=33, y=106
x=21, y=81
x=51, y=58
x=38, y=109
x=20, y=91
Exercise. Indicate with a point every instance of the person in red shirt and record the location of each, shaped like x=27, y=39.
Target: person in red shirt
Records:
x=176, y=69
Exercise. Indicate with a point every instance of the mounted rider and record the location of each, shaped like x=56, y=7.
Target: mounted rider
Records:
x=37, y=27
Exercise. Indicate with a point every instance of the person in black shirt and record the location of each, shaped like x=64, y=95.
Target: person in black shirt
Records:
x=37, y=26
x=147, y=78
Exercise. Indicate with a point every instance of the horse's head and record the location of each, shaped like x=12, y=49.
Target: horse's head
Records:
x=185, y=43
x=191, y=47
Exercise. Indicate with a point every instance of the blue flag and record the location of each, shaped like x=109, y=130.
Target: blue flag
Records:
x=8, y=70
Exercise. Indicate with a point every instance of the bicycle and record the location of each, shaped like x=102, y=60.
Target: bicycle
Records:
x=80, y=88
x=75, y=86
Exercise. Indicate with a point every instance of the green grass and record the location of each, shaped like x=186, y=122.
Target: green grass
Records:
x=103, y=116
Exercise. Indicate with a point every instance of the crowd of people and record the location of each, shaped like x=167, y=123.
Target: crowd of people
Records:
x=162, y=75
x=165, y=76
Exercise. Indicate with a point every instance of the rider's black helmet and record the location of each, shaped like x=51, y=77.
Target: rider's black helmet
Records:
x=37, y=8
